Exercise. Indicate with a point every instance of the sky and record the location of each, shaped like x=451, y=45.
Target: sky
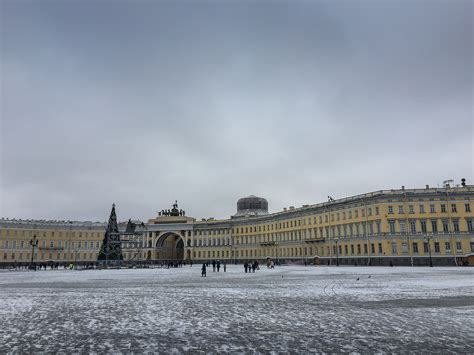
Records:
x=141, y=103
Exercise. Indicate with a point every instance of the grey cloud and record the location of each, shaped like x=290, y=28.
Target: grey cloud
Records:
x=141, y=103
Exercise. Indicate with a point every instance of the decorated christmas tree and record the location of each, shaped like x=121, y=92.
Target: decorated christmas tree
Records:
x=111, y=248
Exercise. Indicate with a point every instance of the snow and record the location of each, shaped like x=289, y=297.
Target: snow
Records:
x=289, y=309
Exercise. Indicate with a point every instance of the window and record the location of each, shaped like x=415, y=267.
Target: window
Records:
x=432, y=208
x=380, y=248
x=415, y=247
x=445, y=227
x=422, y=208
x=411, y=209
x=423, y=226
x=377, y=211
x=413, y=226
x=378, y=226
x=425, y=247
x=390, y=209
x=394, y=248
x=392, y=226
x=400, y=209
x=436, y=247
x=404, y=247
x=372, y=248
x=458, y=246
x=443, y=208
x=369, y=211
x=447, y=246
x=356, y=213
x=453, y=208
x=467, y=207
x=469, y=225
x=402, y=227
x=434, y=227
x=358, y=249
x=456, y=226
x=352, y=248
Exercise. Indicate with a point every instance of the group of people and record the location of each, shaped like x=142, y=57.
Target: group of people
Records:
x=216, y=265
x=251, y=266
x=173, y=264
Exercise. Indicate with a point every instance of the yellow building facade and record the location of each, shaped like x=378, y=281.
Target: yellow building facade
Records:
x=387, y=227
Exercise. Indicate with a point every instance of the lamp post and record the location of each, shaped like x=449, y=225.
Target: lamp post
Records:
x=337, y=251
x=428, y=238
x=34, y=244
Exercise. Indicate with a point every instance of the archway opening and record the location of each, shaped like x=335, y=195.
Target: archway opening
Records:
x=180, y=249
x=170, y=246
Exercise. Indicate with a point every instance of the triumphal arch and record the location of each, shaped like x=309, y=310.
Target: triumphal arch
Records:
x=169, y=235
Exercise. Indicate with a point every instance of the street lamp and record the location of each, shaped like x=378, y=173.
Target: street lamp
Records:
x=34, y=244
x=428, y=238
x=337, y=251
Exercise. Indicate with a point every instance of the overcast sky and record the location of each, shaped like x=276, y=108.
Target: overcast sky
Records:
x=144, y=102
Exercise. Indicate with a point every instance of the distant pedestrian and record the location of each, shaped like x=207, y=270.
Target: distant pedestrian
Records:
x=225, y=266
x=218, y=265
x=246, y=266
x=203, y=270
x=213, y=265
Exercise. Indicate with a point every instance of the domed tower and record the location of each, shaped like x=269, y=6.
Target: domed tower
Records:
x=252, y=205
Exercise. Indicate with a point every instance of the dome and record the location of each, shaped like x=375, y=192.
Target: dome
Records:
x=252, y=205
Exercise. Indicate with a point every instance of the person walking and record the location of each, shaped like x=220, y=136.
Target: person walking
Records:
x=203, y=270
x=225, y=266
x=213, y=266
x=218, y=265
x=246, y=265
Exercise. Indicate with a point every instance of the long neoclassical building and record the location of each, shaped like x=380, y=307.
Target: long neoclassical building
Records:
x=397, y=227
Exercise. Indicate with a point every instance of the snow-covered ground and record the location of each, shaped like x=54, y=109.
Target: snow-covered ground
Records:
x=289, y=309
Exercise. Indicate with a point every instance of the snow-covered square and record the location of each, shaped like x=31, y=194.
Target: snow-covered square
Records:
x=288, y=309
